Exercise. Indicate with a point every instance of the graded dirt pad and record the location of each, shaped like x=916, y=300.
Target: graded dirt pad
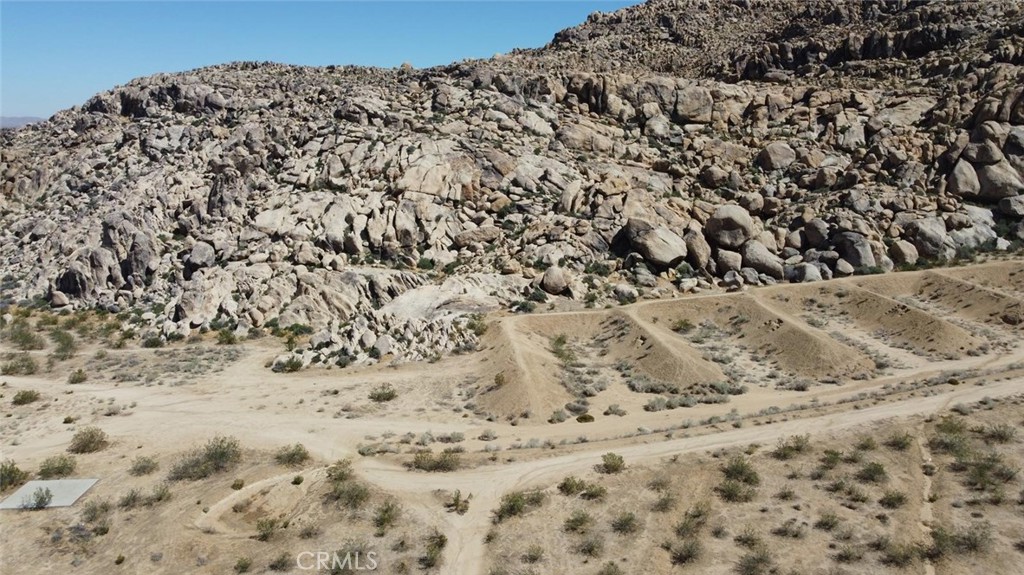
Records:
x=751, y=325
x=210, y=525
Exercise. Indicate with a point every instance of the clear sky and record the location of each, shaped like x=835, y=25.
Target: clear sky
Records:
x=54, y=55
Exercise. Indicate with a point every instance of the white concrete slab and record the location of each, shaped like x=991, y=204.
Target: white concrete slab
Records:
x=65, y=492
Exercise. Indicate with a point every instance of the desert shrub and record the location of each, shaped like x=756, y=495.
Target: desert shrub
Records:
x=611, y=463
x=290, y=365
x=748, y=538
x=25, y=397
x=458, y=503
x=265, y=528
x=827, y=521
x=578, y=522
x=218, y=455
x=610, y=568
x=873, y=472
x=517, y=503
x=585, y=418
x=22, y=337
x=999, y=433
x=592, y=546
x=561, y=350
x=734, y=491
x=625, y=523
x=899, y=441
x=533, y=554
x=614, y=409
x=350, y=494
x=756, y=561
x=740, y=469
x=447, y=460
x=19, y=364
x=143, y=465
x=282, y=562
x=951, y=425
x=786, y=494
x=88, y=440
x=694, y=521
x=789, y=447
x=11, y=475
x=572, y=485
x=684, y=552
x=849, y=554
x=385, y=516
x=39, y=499
x=243, y=565
x=790, y=529
x=867, y=444
x=984, y=471
x=77, y=376
x=226, y=337
x=309, y=531
x=892, y=499
x=341, y=470
x=153, y=342
x=558, y=416
x=292, y=455
x=949, y=542
x=383, y=393
x=65, y=347
x=436, y=543
x=665, y=503
x=593, y=492
x=57, y=466
x=297, y=480
x=94, y=510
x=130, y=499
x=237, y=484
x=160, y=493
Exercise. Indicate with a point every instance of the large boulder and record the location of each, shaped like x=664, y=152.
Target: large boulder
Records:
x=759, y=257
x=729, y=227
x=963, y=180
x=776, y=156
x=1012, y=207
x=698, y=250
x=555, y=280
x=479, y=235
x=903, y=252
x=855, y=249
x=694, y=105
x=998, y=181
x=659, y=246
x=929, y=236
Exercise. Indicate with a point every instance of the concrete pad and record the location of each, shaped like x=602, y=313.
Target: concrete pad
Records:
x=65, y=492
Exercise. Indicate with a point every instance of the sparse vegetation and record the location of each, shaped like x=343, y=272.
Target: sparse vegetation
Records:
x=57, y=466
x=88, y=440
x=383, y=393
x=292, y=455
x=517, y=503
x=218, y=455
x=11, y=475
x=611, y=463
x=25, y=397
x=143, y=465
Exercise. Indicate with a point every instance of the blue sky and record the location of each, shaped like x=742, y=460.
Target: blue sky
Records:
x=54, y=55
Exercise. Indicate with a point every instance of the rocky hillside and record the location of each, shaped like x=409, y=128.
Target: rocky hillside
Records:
x=668, y=147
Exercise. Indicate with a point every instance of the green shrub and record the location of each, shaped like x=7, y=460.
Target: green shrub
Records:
x=872, y=472
x=756, y=561
x=383, y=393
x=77, y=376
x=694, y=521
x=39, y=499
x=592, y=546
x=22, y=338
x=88, y=440
x=218, y=455
x=153, y=342
x=265, y=528
x=292, y=455
x=899, y=441
x=685, y=552
x=572, y=485
x=66, y=347
x=949, y=542
x=237, y=484
x=740, y=469
x=445, y=461
x=243, y=565
x=610, y=568
x=11, y=475
x=25, y=397
x=734, y=491
x=789, y=447
x=226, y=337
x=892, y=499
x=517, y=503
x=827, y=521
x=385, y=516
x=533, y=554
x=436, y=543
x=143, y=465
x=578, y=522
x=56, y=467
x=19, y=364
x=297, y=480
x=341, y=470
x=999, y=433
x=350, y=494
x=130, y=500
x=282, y=562
x=611, y=463
x=625, y=523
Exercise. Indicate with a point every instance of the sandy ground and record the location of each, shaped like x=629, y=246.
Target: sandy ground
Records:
x=872, y=353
